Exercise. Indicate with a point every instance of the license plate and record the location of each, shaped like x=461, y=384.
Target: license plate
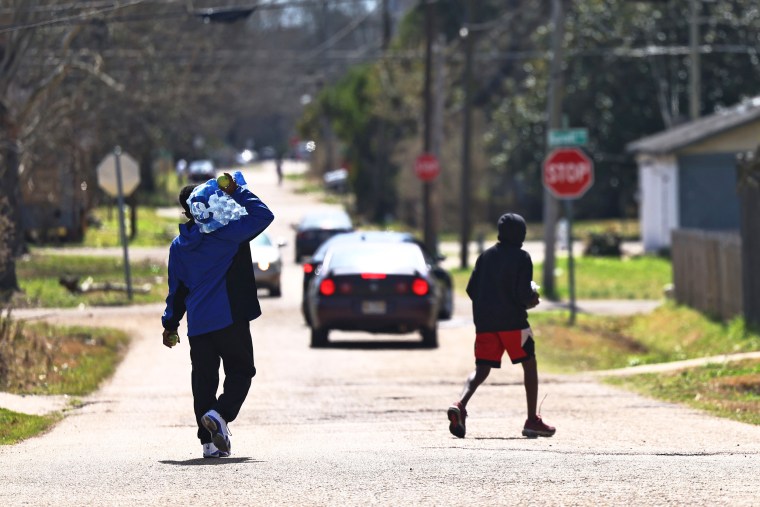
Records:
x=373, y=307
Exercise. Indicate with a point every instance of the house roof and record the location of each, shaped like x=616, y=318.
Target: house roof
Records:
x=695, y=131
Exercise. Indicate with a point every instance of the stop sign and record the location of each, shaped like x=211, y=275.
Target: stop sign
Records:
x=130, y=174
x=568, y=173
x=426, y=167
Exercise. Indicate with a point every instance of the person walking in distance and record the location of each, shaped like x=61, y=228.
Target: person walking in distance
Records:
x=211, y=279
x=278, y=168
x=501, y=289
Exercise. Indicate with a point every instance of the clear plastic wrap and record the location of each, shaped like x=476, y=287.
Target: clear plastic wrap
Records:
x=212, y=208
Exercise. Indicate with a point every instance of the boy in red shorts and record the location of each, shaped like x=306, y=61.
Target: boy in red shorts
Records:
x=501, y=291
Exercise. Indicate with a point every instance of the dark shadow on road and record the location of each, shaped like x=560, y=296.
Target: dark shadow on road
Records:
x=498, y=438
x=210, y=461
x=375, y=345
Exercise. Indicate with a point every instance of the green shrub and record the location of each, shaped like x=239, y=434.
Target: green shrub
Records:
x=605, y=244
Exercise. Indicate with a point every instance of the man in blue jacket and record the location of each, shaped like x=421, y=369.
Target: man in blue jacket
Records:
x=211, y=278
x=501, y=291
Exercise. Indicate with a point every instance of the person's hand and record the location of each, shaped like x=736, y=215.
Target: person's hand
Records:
x=231, y=187
x=168, y=338
x=535, y=301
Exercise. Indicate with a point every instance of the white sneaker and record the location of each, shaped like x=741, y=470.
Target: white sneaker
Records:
x=210, y=451
x=217, y=426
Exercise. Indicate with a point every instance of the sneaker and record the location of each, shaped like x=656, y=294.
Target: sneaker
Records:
x=537, y=428
x=457, y=415
x=210, y=451
x=216, y=425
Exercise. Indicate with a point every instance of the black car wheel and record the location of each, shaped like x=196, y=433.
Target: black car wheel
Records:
x=430, y=337
x=319, y=337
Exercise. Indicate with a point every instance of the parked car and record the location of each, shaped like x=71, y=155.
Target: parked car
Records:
x=379, y=290
x=336, y=181
x=200, y=170
x=268, y=153
x=312, y=264
x=267, y=263
x=318, y=226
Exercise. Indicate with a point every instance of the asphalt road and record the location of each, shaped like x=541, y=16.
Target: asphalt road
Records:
x=363, y=422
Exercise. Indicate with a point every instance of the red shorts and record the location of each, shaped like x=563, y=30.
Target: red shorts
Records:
x=490, y=347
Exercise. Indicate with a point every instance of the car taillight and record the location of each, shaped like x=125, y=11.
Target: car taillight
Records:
x=373, y=276
x=308, y=268
x=420, y=287
x=327, y=287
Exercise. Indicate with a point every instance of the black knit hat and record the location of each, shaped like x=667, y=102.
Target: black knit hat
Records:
x=184, y=195
x=512, y=229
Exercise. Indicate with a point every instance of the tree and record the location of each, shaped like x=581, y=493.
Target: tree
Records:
x=23, y=90
x=149, y=76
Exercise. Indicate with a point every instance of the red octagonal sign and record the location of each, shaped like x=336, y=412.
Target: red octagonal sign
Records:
x=568, y=173
x=426, y=167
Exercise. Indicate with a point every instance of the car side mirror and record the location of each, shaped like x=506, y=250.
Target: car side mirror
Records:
x=440, y=257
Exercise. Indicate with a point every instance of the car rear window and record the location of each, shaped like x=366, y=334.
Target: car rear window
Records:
x=201, y=166
x=326, y=221
x=358, y=237
x=376, y=258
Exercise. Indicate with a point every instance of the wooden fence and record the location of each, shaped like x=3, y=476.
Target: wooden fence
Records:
x=707, y=271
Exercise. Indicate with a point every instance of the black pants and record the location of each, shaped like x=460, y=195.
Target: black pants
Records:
x=234, y=347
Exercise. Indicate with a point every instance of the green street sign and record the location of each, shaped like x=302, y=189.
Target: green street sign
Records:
x=567, y=137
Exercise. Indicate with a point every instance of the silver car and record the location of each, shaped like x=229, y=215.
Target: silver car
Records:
x=267, y=263
x=200, y=171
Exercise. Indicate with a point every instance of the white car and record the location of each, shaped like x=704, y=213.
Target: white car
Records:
x=267, y=263
x=200, y=171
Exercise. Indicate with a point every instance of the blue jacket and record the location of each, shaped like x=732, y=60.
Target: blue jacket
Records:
x=211, y=275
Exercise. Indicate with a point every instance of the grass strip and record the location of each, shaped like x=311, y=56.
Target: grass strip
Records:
x=39, y=277
x=669, y=333
x=15, y=427
x=730, y=390
x=642, y=277
x=44, y=359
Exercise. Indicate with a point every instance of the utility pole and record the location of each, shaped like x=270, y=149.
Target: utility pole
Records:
x=327, y=130
x=466, y=201
x=695, y=77
x=427, y=186
x=387, y=28
x=554, y=112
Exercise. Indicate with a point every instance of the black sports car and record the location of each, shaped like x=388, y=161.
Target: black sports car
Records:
x=445, y=282
x=379, y=290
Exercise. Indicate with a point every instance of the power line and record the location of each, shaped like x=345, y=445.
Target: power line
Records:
x=69, y=19
x=106, y=7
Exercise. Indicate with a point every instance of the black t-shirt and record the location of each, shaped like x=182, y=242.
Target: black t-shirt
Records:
x=500, y=289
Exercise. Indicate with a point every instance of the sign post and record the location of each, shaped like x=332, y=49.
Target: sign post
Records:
x=567, y=137
x=118, y=181
x=568, y=173
x=427, y=168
